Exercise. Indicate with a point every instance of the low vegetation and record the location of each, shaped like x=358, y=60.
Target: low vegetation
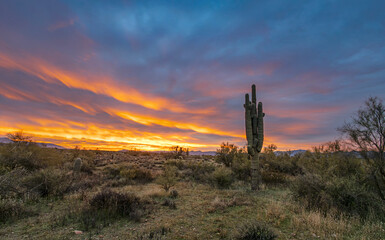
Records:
x=330, y=192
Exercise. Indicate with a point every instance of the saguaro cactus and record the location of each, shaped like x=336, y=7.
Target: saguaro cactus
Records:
x=254, y=134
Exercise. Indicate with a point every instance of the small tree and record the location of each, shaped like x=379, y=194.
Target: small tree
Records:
x=366, y=133
x=270, y=148
x=179, y=152
x=168, y=178
x=227, y=153
x=18, y=137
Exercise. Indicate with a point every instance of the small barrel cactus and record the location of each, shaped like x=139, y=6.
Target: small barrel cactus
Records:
x=77, y=164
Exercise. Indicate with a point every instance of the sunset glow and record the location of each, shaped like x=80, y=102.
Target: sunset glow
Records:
x=148, y=76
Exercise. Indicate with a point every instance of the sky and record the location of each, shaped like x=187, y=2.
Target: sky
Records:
x=149, y=75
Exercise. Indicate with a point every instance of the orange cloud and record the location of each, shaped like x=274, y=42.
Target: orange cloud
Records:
x=95, y=83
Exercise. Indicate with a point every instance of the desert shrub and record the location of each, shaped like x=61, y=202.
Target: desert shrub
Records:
x=281, y=163
x=352, y=198
x=325, y=161
x=174, y=193
x=222, y=177
x=115, y=204
x=179, y=163
x=273, y=178
x=228, y=153
x=241, y=168
x=254, y=231
x=156, y=234
x=199, y=171
x=311, y=190
x=177, y=152
x=219, y=204
x=169, y=203
x=11, y=209
x=345, y=196
x=48, y=182
x=136, y=173
x=111, y=172
x=169, y=178
x=11, y=183
x=28, y=155
x=84, y=183
x=107, y=206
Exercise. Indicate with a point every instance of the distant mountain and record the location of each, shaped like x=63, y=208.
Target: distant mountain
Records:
x=210, y=153
x=5, y=140
x=292, y=153
x=46, y=145
x=50, y=145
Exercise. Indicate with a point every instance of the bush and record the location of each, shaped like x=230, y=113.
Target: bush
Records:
x=282, y=163
x=155, y=234
x=12, y=209
x=177, y=152
x=48, y=182
x=136, y=173
x=117, y=204
x=111, y=172
x=170, y=203
x=242, y=168
x=174, y=193
x=345, y=196
x=254, y=231
x=11, y=183
x=179, y=163
x=200, y=171
x=222, y=177
x=28, y=155
x=273, y=178
x=169, y=178
x=228, y=153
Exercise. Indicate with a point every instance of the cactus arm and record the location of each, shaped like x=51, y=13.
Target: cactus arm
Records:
x=260, y=127
x=254, y=94
x=249, y=130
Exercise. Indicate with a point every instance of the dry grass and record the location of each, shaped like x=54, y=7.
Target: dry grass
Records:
x=203, y=211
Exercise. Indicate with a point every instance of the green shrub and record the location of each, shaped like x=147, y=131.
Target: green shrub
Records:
x=169, y=178
x=281, y=163
x=11, y=183
x=177, y=152
x=198, y=171
x=116, y=204
x=273, y=178
x=169, y=203
x=155, y=234
x=254, y=231
x=174, y=193
x=242, y=168
x=29, y=156
x=11, y=209
x=222, y=177
x=179, y=163
x=107, y=206
x=228, y=153
x=111, y=172
x=345, y=196
x=48, y=182
x=136, y=173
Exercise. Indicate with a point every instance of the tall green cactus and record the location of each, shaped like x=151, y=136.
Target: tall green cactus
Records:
x=254, y=134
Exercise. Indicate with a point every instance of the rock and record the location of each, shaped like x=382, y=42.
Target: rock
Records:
x=77, y=232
